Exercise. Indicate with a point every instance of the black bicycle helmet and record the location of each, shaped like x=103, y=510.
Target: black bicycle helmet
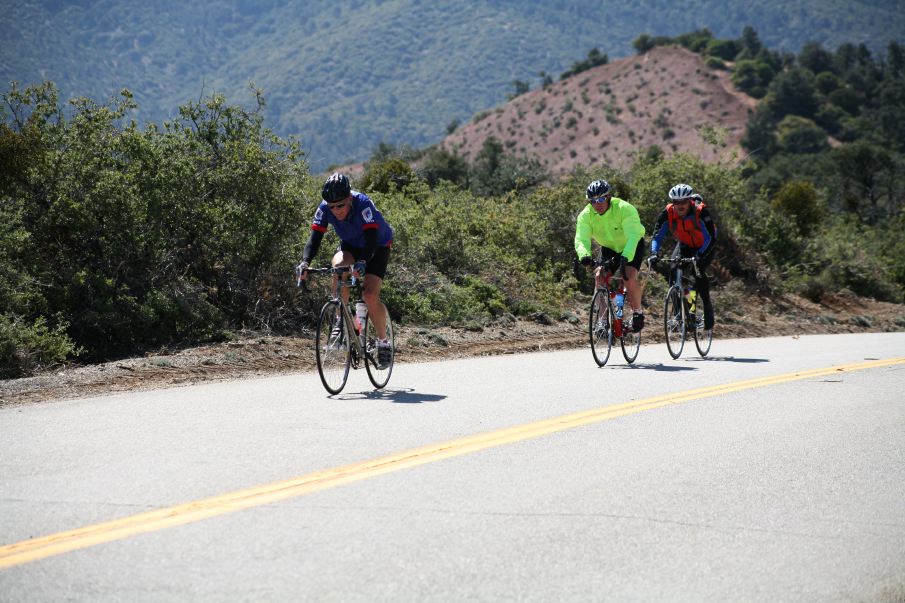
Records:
x=336, y=188
x=598, y=188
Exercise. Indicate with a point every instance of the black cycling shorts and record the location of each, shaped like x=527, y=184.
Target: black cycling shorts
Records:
x=606, y=253
x=378, y=263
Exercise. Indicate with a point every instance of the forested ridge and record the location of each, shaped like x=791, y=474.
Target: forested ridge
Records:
x=118, y=237
x=345, y=75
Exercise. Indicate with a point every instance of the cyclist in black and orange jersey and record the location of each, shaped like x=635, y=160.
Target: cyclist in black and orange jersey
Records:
x=691, y=224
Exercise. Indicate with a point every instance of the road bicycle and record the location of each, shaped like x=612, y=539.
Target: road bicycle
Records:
x=682, y=312
x=354, y=342
x=607, y=320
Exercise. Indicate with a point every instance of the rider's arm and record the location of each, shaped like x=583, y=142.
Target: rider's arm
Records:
x=370, y=236
x=318, y=228
x=709, y=231
x=661, y=227
x=313, y=245
x=583, y=235
x=633, y=229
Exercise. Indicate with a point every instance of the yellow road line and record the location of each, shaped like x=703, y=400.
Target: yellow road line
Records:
x=62, y=542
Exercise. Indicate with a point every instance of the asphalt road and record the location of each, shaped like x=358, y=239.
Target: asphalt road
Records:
x=777, y=485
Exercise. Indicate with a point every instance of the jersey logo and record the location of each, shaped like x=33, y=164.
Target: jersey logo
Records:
x=318, y=215
x=367, y=215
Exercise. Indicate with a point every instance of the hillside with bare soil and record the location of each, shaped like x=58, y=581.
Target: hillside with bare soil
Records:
x=666, y=97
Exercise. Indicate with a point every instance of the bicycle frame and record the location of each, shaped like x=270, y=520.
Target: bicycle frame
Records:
x=681, y=279
x=613, y=285
x=356, y=341
x=677, y=308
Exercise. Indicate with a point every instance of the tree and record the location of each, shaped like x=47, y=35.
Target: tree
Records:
x=383, y=176
x=546, y=80
x=827, y=82
x=759, y=138
x=724, y=49
x=439, y=164
x=815, y=58
x=800, y=135
x=643, y=43
x=752, y=77
x=896, y=59
x=496, y=173
x=595, y=58
x=749, y=42
x=865, y=170
x=797, y=199
x=793, y=92
x=520, y=87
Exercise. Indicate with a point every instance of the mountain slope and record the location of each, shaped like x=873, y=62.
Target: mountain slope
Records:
x=343, y=75
x=666, y=98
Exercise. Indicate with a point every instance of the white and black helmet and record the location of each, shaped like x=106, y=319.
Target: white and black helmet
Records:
x=680, y=191
x=598, y=188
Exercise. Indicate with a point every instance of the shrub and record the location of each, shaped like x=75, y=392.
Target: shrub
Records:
x=26, y=348
x=147, y=237
x=381, y=177
x=797, y=200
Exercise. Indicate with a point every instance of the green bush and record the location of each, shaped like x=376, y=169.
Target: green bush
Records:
x=801, y=135
x=798, y=200
x=382, y=176
x=28, y=347
x=146, y=237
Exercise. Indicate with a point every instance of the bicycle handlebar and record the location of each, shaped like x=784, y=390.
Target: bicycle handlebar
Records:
x=303, y=283
x=673, y=261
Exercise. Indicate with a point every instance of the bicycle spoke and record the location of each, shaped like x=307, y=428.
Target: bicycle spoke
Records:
x=379, y=372
x=332, y=350
x=600, y=328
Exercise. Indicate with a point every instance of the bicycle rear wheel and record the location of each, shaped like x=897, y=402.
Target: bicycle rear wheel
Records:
x=600, y=327
x=674, y=322
x=702, y=337
x=631, y=343
x=379, y=374
x=332, y=349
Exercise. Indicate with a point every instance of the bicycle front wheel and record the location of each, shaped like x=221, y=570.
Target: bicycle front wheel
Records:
x=702, y=337
x=332, y=349
x=674, y=322
x=379, y=372
x=600, y=327
x=631, y=343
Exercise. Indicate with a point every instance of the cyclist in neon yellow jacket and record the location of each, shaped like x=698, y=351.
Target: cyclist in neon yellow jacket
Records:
x=614, y=224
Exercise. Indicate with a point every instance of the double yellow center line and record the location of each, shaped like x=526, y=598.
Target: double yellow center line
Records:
x=62, y=542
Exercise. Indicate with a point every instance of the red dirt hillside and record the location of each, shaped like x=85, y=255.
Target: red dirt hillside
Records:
x=606, y=114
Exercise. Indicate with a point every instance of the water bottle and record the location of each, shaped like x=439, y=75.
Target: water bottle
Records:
x=690, y=296
x=620, y=301
x=361, y=312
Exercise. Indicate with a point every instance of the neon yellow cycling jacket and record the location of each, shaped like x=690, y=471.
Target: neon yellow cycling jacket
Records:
x=619, y=229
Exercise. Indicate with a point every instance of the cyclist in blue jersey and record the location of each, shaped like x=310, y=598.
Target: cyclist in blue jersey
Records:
x=365, y=242
x=690, y=223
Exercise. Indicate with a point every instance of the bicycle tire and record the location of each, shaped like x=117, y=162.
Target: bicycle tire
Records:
x=702, y=337
x=333, y=353
x=379, y=375
x=674, y=322
x=601, y=336
x=631, y=344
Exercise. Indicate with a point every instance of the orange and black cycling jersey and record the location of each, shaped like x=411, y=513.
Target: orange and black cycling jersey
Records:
x=696, y=229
